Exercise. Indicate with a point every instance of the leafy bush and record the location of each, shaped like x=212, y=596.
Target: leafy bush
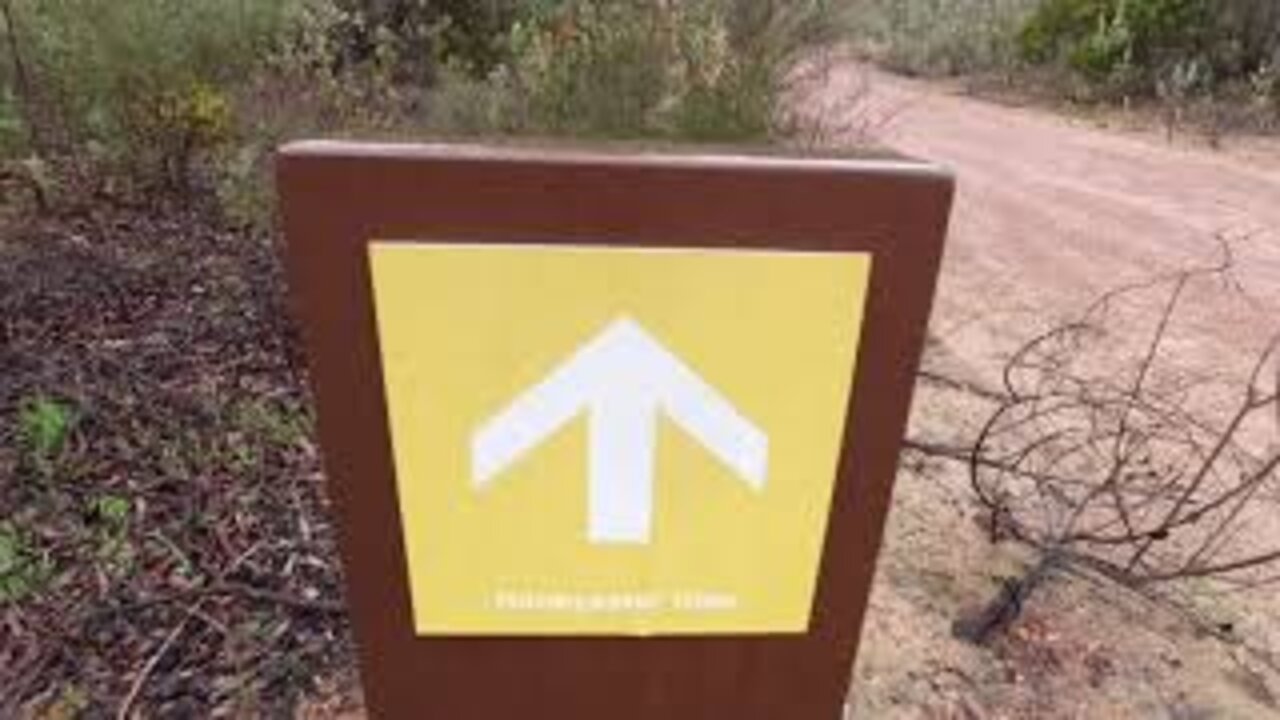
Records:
x=471, y=32
x=707, y=70
x=196, y=95
x=139, y=83
x=598, y=69
x=1102, y=38
x=1155, y=46
x=23, y=571
x=1217, y=57
x=941, y=37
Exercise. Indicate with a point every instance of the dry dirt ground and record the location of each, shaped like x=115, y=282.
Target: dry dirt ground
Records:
x=1051, y=212
x=167, y=553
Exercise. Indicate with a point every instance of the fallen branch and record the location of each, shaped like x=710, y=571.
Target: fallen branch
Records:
x=139, y=681
x=240, y=590
x=1093, y=455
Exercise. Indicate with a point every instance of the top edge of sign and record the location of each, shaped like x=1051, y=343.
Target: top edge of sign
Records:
x=624, y=154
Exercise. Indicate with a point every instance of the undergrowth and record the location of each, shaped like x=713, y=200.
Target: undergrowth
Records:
x=131, y=99
x=1213, y=63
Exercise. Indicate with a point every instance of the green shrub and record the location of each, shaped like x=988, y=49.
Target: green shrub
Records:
x=1171, y=48
x=23, y=570
x=1181, y=51
x=43, y=428
x=1103, y=38
x=137, y=84
x=196, y=94
x=704, y=70
x=940, y=37
x=469, y=32
x=741, y=62
x=599, y=70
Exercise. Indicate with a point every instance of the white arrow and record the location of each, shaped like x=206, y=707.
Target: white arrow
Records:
x=622, y=378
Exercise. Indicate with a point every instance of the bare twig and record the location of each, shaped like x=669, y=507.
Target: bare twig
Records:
x=1101, y=462
x=1219, y=569
x=144, y=674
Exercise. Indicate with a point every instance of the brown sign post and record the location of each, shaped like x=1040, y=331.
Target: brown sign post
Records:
x=731, y=340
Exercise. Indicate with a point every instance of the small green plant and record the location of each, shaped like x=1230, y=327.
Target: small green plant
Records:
x=111, y=515
x=270, y=423
x=22, y=571
x=113, y=510
x=43, y=428
x=1104, y=38
x=71, y=703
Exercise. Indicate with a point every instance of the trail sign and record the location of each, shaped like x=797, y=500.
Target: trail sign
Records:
x=614, y=441
x=609, y=434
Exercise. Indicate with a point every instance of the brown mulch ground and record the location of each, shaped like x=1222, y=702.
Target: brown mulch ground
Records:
x=216, y=592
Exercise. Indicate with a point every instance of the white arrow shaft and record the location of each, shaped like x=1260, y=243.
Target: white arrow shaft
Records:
x=623, y=443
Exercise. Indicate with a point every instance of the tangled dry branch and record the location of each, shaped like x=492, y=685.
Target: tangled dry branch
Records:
x=1106, y=451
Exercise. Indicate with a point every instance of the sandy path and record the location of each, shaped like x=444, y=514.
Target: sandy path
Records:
x=1050, y=212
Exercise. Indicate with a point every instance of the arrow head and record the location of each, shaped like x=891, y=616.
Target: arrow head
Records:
x=623, y=377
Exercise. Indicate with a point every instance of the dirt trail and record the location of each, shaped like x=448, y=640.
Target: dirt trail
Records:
x=1051, y=211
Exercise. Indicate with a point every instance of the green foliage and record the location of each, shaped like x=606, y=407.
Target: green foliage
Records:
x=115, y=551
x=120, y=96
x=739, y=59
x=43, y=428
x=270, y=423
x=941, y=37
x=112, y=509
x=22, y=570
x=470, y=32
x=1173, y=48
x=1102, y=38
x=601, y=70
x=138, y=83
x=703, y=70
x=1182, y=52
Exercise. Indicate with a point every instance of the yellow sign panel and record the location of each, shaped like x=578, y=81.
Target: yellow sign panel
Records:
x=614, y=441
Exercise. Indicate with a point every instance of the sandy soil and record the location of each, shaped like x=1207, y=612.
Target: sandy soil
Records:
x=1050, y=212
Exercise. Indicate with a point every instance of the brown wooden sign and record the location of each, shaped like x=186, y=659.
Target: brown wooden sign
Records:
x=609, y=434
